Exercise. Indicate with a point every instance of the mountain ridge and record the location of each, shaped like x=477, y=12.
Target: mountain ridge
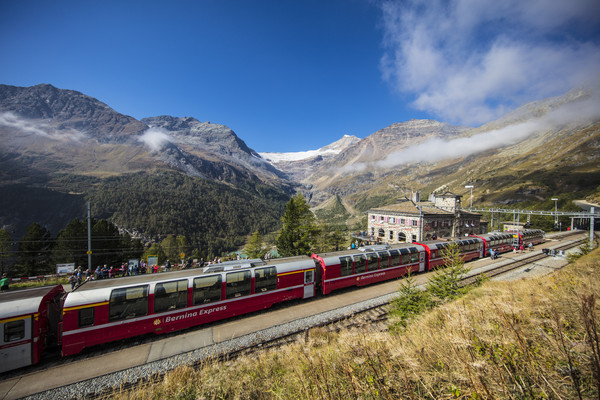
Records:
x=68, y=142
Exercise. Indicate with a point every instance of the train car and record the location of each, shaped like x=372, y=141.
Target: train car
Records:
x=113, y=309
x=524, y=238
x=28, y=323
x=469, y=249
x=366, y=265
x=500, y=242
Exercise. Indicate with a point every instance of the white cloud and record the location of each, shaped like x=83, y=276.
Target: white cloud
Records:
x=578, y=113
x=39, y=128
x=471, y=61
x=155, y=138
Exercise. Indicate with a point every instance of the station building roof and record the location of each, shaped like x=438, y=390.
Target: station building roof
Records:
x=410, y=208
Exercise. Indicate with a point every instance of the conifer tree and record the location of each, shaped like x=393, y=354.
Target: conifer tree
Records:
x=5, y=247
x=299, y=230
x=170, y=248
x=254, y=247
x=34, y=251
x=444, y=284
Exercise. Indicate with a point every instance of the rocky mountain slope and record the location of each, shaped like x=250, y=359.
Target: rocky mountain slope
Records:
x=73, y=148
x=298, y=165
x=203, y=149
x=536, y=152
x=61, y=144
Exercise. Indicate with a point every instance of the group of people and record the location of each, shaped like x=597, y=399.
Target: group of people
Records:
x=520, y=249
x=80, y=276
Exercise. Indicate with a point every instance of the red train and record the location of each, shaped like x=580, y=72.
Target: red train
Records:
x=107, y=310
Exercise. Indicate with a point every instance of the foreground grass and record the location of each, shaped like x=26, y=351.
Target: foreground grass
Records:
x=530, y=339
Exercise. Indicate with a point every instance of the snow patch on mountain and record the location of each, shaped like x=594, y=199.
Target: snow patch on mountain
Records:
x=329, y=150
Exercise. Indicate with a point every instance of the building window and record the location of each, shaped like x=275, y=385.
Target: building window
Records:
x=402, y=221
x=392, y=220
x=401, y=237
x=391, y=235
x=381, y=232
x=381, y=218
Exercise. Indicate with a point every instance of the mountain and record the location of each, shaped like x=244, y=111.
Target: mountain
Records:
x=59, y=110
x=62, y=148
x=538, y=151
x=298, y=165
x=169, y=175
x=204, y=149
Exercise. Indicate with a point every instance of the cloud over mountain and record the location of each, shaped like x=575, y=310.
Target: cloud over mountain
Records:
x=471, y=61
x=155, y=138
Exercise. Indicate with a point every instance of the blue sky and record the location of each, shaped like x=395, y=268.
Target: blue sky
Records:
x=294, y=75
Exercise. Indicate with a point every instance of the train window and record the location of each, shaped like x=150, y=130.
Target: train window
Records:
x=405, y=255
x=207, y=289
x=170, y=295
x=360, y=263
x=128, y=302
x=309, y=276
x=414, y=255
x=395, y=258
x=345, y=266
x=384, y=259
x=372, y=260
x=265, y=279
x=86, y=317
x=238, y=284
x=14, y=330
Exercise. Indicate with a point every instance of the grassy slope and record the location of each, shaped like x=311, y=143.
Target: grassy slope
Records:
x=505, y=340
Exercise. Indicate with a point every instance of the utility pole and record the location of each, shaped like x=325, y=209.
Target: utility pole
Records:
x=470, y=187
x=555, y=210
x=89, y=250
x=592, y=228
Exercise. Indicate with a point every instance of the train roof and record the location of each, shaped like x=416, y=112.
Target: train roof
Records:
x=283, y=263
x=15, y=303
x=99, y=291
x=371, y=249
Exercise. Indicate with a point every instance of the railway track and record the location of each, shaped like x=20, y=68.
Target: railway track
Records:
x=515, y=264
x=372, y=318
x=366, y=317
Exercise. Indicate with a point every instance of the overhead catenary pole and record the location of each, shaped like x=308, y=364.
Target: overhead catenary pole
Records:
x=89, y=251
x=470, y=187
x=591, y=228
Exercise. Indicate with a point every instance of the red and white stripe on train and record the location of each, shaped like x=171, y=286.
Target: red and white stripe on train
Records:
x=113, y=309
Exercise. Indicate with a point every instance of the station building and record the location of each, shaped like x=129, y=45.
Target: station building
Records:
x=414, y=221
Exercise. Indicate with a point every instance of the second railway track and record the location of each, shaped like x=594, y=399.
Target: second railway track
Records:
x=371, y=312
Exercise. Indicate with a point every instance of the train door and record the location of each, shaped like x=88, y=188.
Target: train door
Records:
x=15, y=343
x=422, y=261
x=309, y=283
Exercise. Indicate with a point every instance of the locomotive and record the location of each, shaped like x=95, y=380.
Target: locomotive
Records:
x=36, y=320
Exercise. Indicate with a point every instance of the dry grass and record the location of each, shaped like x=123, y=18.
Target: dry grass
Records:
x=530, y=339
